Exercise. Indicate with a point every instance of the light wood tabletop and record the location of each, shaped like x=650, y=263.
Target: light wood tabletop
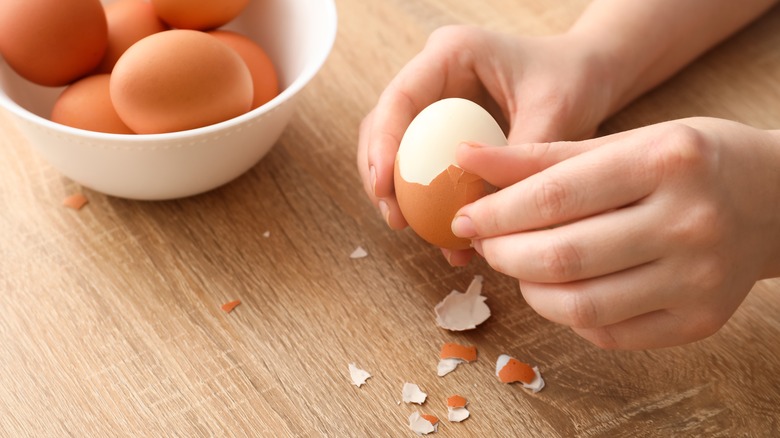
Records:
x=111, y=321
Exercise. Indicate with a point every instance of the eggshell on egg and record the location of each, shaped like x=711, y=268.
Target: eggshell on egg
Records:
x=198, y=14
x=86, y=104
x=264, y=78
x=178, y=80
x=128, y=22
x=429, y=185
x=52, y=42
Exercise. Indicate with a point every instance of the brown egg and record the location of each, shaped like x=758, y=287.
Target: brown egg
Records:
x=429, y=185
x=198, y=14
x=52, y=42
x=128, y=22
x=86, y=104
x=178, y=80
x=264, y=80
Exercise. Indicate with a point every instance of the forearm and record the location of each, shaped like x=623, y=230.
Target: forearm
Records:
x=773, y=266
x=642, y=43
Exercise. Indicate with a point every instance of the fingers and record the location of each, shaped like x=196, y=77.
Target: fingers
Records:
x=503, y=166
x=606, y=174
x=639, y=308
x=458, y=257
x=662, y=328
x=367, y=173
x=604, y=301
x=388, y=206
x=592, y=247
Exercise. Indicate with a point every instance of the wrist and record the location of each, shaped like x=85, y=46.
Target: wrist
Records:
x=606, y=78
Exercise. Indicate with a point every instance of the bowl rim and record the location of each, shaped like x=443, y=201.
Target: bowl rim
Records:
x=310, y=69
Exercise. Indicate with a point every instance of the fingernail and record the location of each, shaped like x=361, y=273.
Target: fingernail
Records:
x=477, y=245
x=472, y=144
x=447, y=255
x=463, y=227
x=372, y=176
x=385, y=210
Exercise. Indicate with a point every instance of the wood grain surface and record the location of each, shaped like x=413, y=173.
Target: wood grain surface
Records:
x=110, y=319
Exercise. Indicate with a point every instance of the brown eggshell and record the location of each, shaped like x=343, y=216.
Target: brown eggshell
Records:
x=264, y=78
x=128, y=22
x=86, y=104
x=52, y=42
x=198, y=14
x=430, y=209
x=178, y=80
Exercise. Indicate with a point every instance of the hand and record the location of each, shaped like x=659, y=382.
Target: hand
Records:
x=642, y=239
x=542, y=89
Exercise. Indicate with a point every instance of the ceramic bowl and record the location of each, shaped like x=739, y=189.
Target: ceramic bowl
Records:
x=298, y=35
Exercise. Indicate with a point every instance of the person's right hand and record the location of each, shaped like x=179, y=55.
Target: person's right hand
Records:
x=537, y=88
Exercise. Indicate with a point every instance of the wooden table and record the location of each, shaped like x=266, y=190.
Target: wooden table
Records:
x=110, y=319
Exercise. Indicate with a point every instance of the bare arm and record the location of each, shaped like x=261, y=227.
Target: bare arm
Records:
x=643, y=43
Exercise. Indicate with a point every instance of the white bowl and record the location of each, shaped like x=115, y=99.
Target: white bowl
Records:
x=298, y=35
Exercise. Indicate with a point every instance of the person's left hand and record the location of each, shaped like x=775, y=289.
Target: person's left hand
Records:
x=642, y=239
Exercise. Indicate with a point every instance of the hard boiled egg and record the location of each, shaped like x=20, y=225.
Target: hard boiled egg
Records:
x=86, y=104
x=178, y=80
x=264, y=78
x=198, y=14
x=52, y=42
x=429, y=185
x=128, y=22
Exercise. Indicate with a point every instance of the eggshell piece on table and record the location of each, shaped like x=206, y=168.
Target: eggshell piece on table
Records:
x=456, y=408
x=75, y=201
x=511, y=370
x=86, y=104
x=429, y=185
x=198, y=14
x=52, y=42
x=357, y=375
x=452, y=355
x=264, y=78
x=230, y=305
x=178, y=80
x=423, y=424
x=411, y=393
x=456, y=401
x=451, y=350
x=129, y=21
x=460, y=311
x=358, y=253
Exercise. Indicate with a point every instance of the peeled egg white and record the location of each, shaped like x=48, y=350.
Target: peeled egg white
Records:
x=429, y=185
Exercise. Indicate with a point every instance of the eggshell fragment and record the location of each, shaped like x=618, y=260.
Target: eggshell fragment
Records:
x=446, y=366
x=510, y=370
x=230, y=305
x=456, y=401
x=429, y=185
x=463, y=311
x=452, y=355
x=456, y=409
x=358, y=253
x=411, y=393
x=451, y=350
x=423, y=424
x=75, y=201
x=358, y=375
